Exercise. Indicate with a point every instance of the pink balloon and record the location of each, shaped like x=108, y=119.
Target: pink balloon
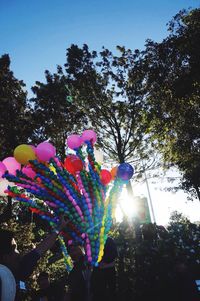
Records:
x=2, y=169
x=11, y=165
x=29, y=172
x=89, y=135
x=45, y=151
x=74, y=141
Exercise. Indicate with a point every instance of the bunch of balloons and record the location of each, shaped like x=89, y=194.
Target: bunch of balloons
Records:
x=77, y=188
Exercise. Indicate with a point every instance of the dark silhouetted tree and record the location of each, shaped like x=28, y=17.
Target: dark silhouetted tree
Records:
x=172, y=84
x=15, y=114
x=55, y=114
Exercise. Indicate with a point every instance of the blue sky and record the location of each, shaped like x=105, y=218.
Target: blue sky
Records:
x=37, y=33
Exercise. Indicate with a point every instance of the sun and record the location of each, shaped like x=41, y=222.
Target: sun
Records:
x=126, y=206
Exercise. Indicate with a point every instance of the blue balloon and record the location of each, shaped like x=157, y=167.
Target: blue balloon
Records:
x=125, y=171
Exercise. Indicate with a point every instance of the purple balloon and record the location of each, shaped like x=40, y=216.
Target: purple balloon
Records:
x=74, y=141
x=45, y=151
x=125, y=171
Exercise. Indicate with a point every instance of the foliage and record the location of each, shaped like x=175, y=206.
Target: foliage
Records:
x=102, y=91
x=185, y=237
x=171, y=85
x=55, y=115
x=112, y=103
x=149, y=254
x=15, y=116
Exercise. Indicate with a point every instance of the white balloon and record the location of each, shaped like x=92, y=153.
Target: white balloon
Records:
x=8, y=284
x=98, y=155
x=3, y=186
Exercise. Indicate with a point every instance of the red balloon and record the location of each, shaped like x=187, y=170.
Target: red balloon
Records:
x=73, y=164
x=105, y=176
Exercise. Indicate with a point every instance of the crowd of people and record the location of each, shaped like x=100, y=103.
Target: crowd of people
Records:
x=83, y=283
x=156, y=277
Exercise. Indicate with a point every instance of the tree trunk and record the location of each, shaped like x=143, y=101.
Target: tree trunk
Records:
x=197, y=191
x=129, y=189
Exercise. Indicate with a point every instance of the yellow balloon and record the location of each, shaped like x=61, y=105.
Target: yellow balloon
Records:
x=23, y=153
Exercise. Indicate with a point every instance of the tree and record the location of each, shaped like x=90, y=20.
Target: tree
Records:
x=113, y=98
x=55, y=114
x=113, y=104
x=171, y=85
x=147, y=263
x=103, y=93
x=184, y=236
x=15, y=116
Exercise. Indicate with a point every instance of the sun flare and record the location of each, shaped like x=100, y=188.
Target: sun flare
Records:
x=126, y=206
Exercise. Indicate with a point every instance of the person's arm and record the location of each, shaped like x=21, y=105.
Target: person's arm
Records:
x=29, y=261
x=47, y=243
x=50, y=240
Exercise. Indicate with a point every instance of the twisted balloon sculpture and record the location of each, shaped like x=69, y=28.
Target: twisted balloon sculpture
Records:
x=79, y=189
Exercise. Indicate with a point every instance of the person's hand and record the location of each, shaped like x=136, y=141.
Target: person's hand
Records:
x=101, y=265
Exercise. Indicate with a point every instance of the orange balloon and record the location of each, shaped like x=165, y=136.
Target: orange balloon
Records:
x=113, y=172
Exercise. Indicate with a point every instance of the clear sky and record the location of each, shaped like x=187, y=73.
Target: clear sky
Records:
x=36, y=34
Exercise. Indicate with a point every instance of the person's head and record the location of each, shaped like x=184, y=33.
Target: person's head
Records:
x=9, y=254
x=75, y=252
x=43, y=280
